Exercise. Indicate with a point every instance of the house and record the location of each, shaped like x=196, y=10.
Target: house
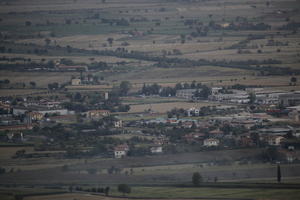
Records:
x=35, y=116
x=290, y=99
x=120, y=151
x=5, y=107
x=76, y=81
x=172, y=121
x=215, y=90
x=97, y=114
x=275, y=131
x=194, y=137
x=186, y=93
x=8, y=119
x=245, y=140
x=211, y=142
x=217, y=133
x=193, y=112
x=275, y=140
x=235, y=96
x=118, y=124
x=15, y=137
x=156, y=149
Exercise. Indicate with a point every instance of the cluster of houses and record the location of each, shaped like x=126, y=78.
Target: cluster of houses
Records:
x=30, y=113
x=239, y=96
x=207, y=133
x=121, y=151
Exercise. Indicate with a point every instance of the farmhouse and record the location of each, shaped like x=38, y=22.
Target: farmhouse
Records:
x=193, y=112
x=76, y=81
x=211, y=142
x=280, y=131
x=217, y=133
x=5, y=107
x=290, y=99
x=186, y=93
x=118, y=124
x=232, y=96
x=275, y=140
x=156, y=149
x=268, y=97
x=35, y=116
x=194, y=137
x=120, y=151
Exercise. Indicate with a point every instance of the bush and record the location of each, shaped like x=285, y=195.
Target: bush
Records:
x=197, y=179
x=124, y=188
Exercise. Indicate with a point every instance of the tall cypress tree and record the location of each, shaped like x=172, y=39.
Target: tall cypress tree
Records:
x=278, y=174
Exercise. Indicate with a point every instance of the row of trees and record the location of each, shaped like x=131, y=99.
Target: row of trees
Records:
x=202, y=90
x=166, y=62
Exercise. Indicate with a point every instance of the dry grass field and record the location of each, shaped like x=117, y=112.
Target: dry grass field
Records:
x=7, y=152
x=88, y=31
x=164, y=107
x=42, y=79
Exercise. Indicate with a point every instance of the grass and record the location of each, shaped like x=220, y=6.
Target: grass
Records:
x=164, y=107
x=173, y=192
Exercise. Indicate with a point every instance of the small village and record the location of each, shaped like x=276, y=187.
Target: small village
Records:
x=99, y=124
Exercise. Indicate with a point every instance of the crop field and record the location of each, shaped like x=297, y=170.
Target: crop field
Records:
x=171, y=29
x=163, y=169
x=41, y=78
x=158, y=27
x=8, y=152
x=172, y=193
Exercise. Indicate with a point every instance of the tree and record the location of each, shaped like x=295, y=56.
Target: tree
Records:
x=196, y=179
x=252, y=98
x=255, y=138
x=110, y=41
x=178, y=86
x=278, y=174
x=106, y=191
x=53, y=86
x=124, y=188
x=28, y=23
x=2, y=170
x=32, y=84
x=124, y=88
x=182, y=38
x=293, y=80
x=47, y=41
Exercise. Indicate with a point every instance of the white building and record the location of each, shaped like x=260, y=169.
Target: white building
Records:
x=120, y=151
x=193, y=112
x=236, y=96
x=156, y=149
x=118, y=124
x=76, y=81
x=186, y=93
x=275, y=140
x=211, y=142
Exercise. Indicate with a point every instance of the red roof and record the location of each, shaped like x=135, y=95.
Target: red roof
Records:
x=122, y=147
